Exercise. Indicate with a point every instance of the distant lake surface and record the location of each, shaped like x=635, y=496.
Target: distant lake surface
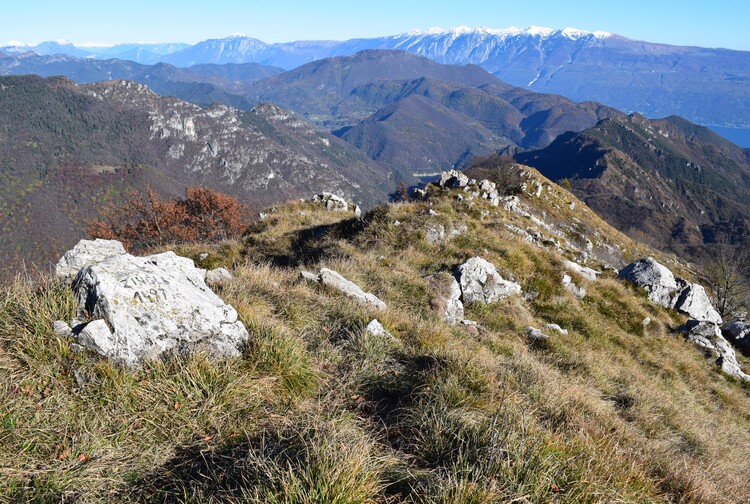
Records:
x=737, y=136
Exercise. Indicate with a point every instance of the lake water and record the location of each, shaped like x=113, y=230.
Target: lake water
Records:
x=737, y=136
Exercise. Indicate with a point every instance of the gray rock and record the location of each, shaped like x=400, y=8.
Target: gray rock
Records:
x=357, y=211
x=446, y=297
x=218, y=277
x=84, y=253
x=310, y=277
x=332, y=202
x=419, y=194
x=692, y=300
x=577, y=291
x=435, y=234
x=534, y=335
x=375, y=328
x=670, y=292
x=453, y=179
x=587, y=273
x=335, y=281
x=481, y=283
x=145, y=306
x=707, y=335
x=61, y=329
x=738, y=333
x=556, y=328
x=658, y=282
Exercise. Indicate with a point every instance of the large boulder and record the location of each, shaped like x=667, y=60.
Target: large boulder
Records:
x=481, y=283
x=335, y=281
x=664, y=289
x=656, y=279
x=707, y=335
x=692, y=300
x=446, y=297
x=137, y=308
x=84, y=253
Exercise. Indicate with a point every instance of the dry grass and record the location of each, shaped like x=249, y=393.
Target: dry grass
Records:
x=317, y=411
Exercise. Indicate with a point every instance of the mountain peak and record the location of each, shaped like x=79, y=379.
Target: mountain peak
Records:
x=511, y=31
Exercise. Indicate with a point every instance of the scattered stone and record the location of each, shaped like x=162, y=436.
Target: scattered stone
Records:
x=556, y=328
x=432, y=212
x=578, y=292
x=446, y=297
x=218, y=277
x=707, y=335
x=357, y=211
x=203, y=256
x=587, y=273
x=84, y=253
x=61, y=329
x=534, y=335
x=646, y=322
x=335, y=281
x=435, y=234
x=311, y=277
x=375, y=328
x=481, y=283
x=144, y=306
x=738, y=333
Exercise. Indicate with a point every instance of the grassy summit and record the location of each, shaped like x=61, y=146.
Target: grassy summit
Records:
x=317, y=410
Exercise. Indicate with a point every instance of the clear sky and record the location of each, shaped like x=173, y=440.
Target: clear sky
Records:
x=717, y=23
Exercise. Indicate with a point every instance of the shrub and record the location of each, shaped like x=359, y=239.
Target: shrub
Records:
x=145, y=220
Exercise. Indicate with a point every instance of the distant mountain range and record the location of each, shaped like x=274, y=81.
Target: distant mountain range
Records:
x=707, y=86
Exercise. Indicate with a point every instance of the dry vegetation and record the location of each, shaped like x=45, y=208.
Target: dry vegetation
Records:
x=316, y=411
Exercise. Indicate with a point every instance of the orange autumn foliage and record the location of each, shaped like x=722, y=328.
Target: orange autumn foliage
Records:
x=145, y=220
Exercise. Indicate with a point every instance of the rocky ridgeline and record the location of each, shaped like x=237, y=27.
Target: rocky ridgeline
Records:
x=541, y=230
x=662, y=287
x=132, y=309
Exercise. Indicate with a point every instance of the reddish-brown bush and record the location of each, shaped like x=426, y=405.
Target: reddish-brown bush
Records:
x=145, y=220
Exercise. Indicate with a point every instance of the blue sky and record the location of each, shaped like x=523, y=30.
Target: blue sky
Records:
x=721, y=23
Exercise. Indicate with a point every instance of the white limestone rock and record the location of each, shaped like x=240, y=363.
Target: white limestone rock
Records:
x=481, y=283
x=453, y=179
x=658, y=282
x=218, y=277
x=707, y=335
x=335, y=281
x=587, y=273
x=578, y=291
x=446, y=297
x=84, y=253
x=534, y=335
x=692, y=300
x=144, y=306
x=375, y=328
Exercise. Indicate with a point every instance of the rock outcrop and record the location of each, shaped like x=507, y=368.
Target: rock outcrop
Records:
x=132, y=309
x=336, y=203
x=481, y=283
x=665, y=290
x=707, y=335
